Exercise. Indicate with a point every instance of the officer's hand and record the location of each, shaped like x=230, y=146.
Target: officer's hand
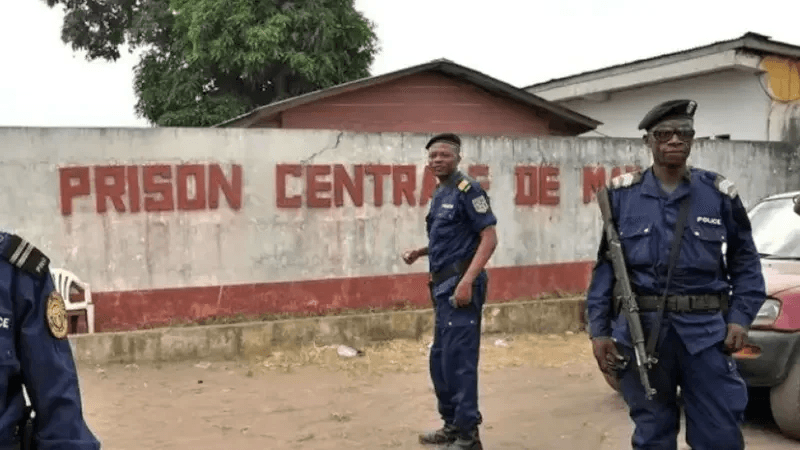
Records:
x=463, y=293
x=736, y=338
x=605, y=352
x=410, y=256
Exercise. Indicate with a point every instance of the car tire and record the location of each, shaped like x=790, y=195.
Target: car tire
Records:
x=784, y=400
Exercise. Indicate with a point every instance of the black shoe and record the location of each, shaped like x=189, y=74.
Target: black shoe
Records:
x=464, y=444
x=445, y=435
x=473, y=442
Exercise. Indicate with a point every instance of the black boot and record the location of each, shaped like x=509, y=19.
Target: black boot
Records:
x=470, y=442
x=444, y=435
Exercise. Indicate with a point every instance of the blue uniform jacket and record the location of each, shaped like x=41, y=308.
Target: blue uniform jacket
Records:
x=459, y=211
x=645, y=218
x=31, y=355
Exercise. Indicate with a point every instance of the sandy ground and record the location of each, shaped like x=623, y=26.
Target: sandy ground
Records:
x=537, y=392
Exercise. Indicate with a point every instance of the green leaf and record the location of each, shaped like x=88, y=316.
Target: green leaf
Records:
x=206, y=61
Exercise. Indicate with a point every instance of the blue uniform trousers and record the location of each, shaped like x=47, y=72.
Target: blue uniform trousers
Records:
x=455, y=352
x=714, y=397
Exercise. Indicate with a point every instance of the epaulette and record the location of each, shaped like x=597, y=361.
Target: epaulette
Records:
x=464, y=185
x=625, y=180
x=726, y=186
x=723, y=185
x=23, y=255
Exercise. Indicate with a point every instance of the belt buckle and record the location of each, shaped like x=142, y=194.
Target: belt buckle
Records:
x=683, y=303
x=671, y=304
x=705, y=302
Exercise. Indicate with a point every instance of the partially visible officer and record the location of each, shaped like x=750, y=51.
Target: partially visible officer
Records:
x=35, y=352
x=461, y=239
x=713, y=297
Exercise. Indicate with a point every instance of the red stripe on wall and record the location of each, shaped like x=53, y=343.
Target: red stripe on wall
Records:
x=129, y=310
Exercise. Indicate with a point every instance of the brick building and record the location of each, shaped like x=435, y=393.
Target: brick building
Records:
x=438, y=96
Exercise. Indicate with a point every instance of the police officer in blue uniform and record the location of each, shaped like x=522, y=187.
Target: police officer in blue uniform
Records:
x=35, y=353
x=461, y=239
x=715, y=290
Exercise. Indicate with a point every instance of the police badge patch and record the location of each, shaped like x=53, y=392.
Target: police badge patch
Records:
x=56, y=313
x=480, y=204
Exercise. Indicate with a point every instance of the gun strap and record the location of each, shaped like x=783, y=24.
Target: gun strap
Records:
x=674, y=251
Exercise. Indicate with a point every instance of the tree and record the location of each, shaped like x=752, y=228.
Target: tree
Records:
x=206, y=61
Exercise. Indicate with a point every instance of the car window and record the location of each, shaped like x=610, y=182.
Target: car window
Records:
x=776, y=228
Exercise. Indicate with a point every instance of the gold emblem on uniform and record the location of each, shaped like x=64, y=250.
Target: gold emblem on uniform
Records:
x=57, y=315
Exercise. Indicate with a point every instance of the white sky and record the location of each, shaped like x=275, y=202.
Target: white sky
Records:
x=44, y=83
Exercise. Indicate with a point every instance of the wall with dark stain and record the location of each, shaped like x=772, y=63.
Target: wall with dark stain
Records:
x=781, y=81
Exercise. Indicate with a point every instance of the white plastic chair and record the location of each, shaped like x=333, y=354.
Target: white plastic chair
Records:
x=64, y=279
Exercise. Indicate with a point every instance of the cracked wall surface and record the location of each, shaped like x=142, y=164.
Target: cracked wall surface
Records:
x=225, y=250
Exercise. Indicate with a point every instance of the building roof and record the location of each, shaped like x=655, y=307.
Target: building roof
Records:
x=753, y=43
x=444, y=66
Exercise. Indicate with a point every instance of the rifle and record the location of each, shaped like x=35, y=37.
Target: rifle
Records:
x=26, y=432
x=26, y=441
x=626, y=296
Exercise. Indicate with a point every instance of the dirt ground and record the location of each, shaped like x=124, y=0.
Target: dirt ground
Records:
x=537, y=392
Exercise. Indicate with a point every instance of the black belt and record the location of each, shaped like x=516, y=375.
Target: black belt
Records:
x=450, y=271
x=684, y=303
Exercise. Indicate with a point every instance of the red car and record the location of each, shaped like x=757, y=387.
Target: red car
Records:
x=772, y=357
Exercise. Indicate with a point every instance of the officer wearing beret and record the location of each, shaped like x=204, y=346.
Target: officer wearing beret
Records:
x=693, y=318
x=35, y=353
x=461, y=239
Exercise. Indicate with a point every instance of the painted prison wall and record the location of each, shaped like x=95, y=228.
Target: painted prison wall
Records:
x=174, y=224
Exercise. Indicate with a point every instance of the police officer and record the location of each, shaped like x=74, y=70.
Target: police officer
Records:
x=35, y=353
x=461, y=239
x=711, y=299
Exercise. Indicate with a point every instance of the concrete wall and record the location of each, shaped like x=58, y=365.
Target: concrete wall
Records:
x=174, y=224
x=730, y=102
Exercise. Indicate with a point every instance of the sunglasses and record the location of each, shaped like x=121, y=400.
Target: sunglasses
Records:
x=665, y=134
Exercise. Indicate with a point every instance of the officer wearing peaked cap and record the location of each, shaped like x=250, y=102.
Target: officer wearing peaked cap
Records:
x=696, y=313
x=461, y=239
x=35, y=353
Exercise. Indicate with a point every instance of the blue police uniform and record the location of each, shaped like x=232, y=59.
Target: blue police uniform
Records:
x=689, y=348
x=459, y=211
x=34, y=352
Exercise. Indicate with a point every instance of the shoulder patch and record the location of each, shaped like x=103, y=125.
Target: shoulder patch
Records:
x=56, y=315
x=625, y=180
x=464, y=186
x=480, y=204
x=725, y=186
x=23, y=255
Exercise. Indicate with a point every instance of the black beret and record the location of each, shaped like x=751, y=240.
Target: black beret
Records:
x=446, y=137
x=672, y=109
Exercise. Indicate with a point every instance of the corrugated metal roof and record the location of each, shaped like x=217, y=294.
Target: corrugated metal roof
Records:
x=749, y=41
x=445, y=66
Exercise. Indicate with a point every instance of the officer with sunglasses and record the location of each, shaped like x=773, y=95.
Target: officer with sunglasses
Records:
x=696, y=313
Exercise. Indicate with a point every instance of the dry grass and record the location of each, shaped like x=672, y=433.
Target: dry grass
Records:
x=269, y=317
x=497, y=352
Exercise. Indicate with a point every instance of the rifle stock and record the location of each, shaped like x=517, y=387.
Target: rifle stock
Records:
x=627, y=297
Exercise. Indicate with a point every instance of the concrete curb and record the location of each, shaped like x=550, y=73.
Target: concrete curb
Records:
x=243, y=340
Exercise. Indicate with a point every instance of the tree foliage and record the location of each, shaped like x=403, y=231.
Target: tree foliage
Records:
x=206, y=61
